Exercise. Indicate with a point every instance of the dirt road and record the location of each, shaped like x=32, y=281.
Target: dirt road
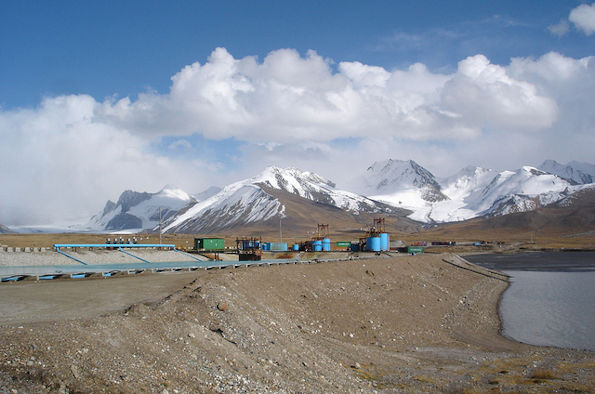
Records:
x=414, y=323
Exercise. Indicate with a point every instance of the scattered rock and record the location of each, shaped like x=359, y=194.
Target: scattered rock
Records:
x=75, y=371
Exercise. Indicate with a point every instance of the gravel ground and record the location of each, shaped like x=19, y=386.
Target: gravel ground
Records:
x=34, y=259
x=409, y=324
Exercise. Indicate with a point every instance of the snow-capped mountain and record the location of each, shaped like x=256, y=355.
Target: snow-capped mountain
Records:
x=527, y=184
x=393, y=187
x=461, y=185
x=209, y=192
x=135, y=210
x=312, y=186
x=248, y=201
x=472, y=192
x=579, y=195
x=396, y=177
x=461, y=190
x=402, y=184
x=576, y=172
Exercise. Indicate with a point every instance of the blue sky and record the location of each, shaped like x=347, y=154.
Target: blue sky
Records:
x=123, y=48
x=169, y=90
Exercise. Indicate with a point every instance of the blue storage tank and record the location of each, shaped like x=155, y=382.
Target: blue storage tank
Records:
x=296, y=247
x=326, y=244
x=384, y=241
x=373, y=244
x=317, y=245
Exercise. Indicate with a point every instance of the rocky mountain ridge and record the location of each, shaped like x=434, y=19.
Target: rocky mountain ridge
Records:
x=390, y=187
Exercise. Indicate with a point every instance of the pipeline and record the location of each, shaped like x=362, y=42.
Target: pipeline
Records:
x=69, y=256
x=132, y=255
x=187, y=254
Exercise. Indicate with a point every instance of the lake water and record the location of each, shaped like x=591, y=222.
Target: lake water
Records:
x=551, y=298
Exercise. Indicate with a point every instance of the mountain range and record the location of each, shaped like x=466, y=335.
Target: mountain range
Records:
x=135, y=210
x=405, y=192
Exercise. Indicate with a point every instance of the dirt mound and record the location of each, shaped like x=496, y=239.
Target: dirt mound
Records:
x=425, y=323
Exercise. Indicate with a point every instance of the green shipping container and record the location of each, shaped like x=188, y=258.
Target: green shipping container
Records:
x=415, y=249
x=343, y=244
x=209, y=243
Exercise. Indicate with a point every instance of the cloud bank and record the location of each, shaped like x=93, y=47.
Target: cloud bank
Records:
x=68, y=155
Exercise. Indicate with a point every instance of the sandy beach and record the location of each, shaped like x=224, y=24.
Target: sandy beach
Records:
x=425, y=323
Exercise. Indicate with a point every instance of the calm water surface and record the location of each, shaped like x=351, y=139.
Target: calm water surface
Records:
x=551, y=299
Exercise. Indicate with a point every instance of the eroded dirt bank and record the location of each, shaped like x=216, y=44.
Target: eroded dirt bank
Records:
x=415, y=323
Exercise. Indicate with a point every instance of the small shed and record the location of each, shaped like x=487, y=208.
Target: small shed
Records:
x=209, y=243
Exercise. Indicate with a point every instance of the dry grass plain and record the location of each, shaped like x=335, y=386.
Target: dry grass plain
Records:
x=512, y=239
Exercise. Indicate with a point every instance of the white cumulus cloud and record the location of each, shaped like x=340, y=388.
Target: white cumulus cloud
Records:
x=583, y=18
x=287, y=98
x=73, y=152
x=487, y=96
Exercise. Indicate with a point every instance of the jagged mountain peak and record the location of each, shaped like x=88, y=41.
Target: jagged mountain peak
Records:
x=254, y=199
x=575, y=172
x=282, y=178
x=130, y=198
x=174, y=192
x=392, y=175
x=533, y=171
x=393, y=186
x=140, y=210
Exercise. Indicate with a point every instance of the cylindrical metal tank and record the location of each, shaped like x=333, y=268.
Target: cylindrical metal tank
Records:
x=373, y=244
x=326, y=244
x=384, y=241
x=296, y=247
x=317, y=245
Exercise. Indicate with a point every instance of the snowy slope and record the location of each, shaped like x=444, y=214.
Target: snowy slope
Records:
x=489, y=194
x=402, y=184
x=136, y=210
x=391, y=184
x=314, y=187
x=472, y=192
x=210, y=192
x=247, y=201
x=390, y=177
x=238, y=203
x=467, y=181
x=577, y=172
x=527, y=181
